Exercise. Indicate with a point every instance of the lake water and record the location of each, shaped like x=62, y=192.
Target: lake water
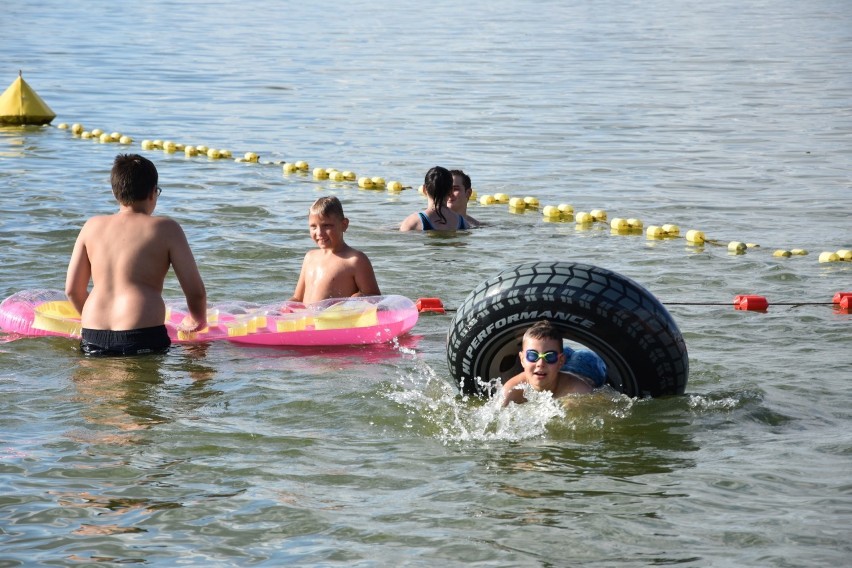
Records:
x=733, y=118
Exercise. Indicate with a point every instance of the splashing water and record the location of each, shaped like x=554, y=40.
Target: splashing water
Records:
x=452, y=417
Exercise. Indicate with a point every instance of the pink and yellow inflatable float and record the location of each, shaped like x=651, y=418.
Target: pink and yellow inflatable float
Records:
x=338, y=321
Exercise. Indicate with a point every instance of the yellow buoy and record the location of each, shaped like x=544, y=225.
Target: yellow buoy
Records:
x=736, y=247
x=782, y=253
x=671, y=230
x=501, y=198
x=551, y=212
x=598, y=214
x=695, y=237
x=583, y=218
x=828, y=257
x=20, y=104
x=844, y=254
x=487, y=200
x=517, y=203
x=566, y=209
x=655, y=232
x=619, y=224
x=394, y=186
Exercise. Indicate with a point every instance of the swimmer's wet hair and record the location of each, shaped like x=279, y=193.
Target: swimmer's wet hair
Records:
x=464, y=176
x=327, y=206
x=544, y=330
x=133, y=178
x=438, y=184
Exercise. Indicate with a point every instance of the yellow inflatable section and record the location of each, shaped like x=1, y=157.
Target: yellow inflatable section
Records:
x=20, y=104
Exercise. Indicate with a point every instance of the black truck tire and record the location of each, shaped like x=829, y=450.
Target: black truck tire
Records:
x=603, y=311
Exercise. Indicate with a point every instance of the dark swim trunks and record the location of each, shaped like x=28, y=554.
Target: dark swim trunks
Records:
x=131, y=342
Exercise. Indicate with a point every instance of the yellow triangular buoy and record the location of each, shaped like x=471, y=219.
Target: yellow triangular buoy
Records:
x=20, y=104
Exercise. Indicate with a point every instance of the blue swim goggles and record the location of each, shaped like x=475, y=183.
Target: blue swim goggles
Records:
x=550, y=357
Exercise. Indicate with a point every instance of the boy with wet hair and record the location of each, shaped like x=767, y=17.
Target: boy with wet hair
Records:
x=460, y=195
x=545, y=368
x=126, y=256
x=334, y=270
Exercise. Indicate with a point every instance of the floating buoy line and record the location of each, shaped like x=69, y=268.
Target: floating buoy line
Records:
x=842, y=302
x=561, y=213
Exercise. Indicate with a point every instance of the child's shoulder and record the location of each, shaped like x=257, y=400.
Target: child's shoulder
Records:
x=574, y=383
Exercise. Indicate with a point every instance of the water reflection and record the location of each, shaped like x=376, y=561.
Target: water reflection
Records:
x=128, y=394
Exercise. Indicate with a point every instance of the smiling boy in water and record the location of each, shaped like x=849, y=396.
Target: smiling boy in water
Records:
x=334, y=270
x=542, y=358
x=127, y=256
x=460, y=196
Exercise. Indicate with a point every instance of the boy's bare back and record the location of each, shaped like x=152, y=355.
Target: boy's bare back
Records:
x=127, y=256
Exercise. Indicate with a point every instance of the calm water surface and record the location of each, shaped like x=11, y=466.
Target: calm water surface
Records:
x=727, y=117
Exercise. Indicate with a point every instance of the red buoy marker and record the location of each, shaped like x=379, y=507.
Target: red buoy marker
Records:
x=430, y=305
x=843, y=300
x=750, y=302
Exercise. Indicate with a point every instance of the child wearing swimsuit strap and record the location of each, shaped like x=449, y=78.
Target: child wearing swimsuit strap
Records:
x=427, y=224
x=437, y=186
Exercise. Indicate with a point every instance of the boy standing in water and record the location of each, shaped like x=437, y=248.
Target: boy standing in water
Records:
x=127, y=255
x=460, y=195
x=335, y=270
x=542, y=358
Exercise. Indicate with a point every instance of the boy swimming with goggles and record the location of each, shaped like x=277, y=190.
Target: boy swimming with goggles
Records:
x=545, y=369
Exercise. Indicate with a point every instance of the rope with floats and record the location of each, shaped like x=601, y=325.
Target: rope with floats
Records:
x=562, y=213
x=842, y=301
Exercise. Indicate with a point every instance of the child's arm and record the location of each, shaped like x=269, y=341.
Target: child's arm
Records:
x=365, y=278
x=513, y=391
x=186, y=270
x=79, y=273
x=299, y=293
x=411, y=223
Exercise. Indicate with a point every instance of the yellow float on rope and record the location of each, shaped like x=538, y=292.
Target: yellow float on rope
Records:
x=20, y=104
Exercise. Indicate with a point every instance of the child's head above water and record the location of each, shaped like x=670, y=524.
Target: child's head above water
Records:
x=326, y=207
x=543, y=330
x=327, y=223
x=541, y=355
x=133, y=178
